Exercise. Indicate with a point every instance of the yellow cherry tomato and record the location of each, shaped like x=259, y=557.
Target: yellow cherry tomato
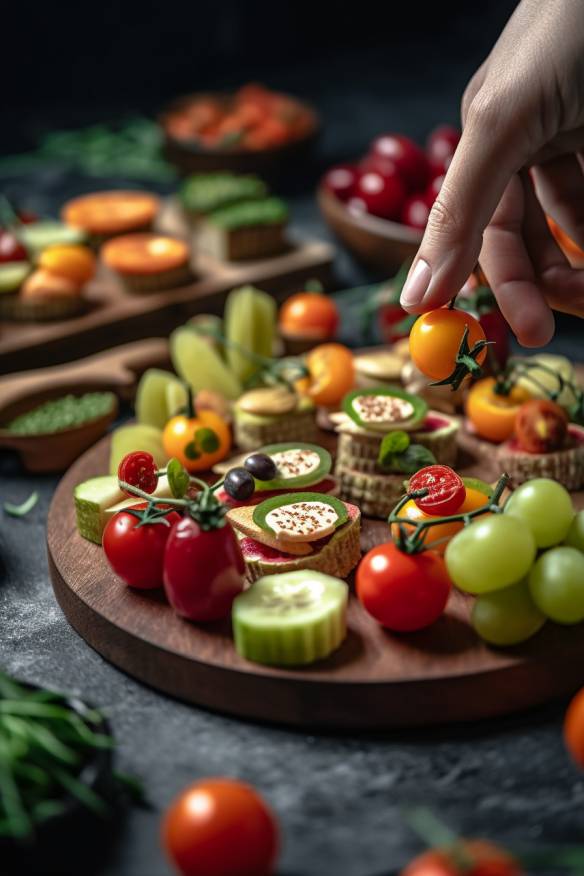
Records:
x=493, y=415
x=197, y=442
x=435, y=340
x=75, y=262
x=474, y=499
x=331, y=374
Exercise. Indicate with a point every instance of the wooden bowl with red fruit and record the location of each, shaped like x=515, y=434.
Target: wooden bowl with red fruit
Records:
x=251, y=130
x=378, y=206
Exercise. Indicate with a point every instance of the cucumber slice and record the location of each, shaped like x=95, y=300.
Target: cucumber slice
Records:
x=291, y=619
x=294, y=482
x=196, y=361
x=152, y=397
x=38, y=235
x=419, y=409
x=92, y=499
x=262, y=510
x=13, y=275
x=136, y=436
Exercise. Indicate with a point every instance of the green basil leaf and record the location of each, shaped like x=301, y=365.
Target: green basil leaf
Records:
x=414, y=458
x=178, y=479
x=392, y=444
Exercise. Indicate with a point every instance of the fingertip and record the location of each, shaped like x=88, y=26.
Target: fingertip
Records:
x=536, y=334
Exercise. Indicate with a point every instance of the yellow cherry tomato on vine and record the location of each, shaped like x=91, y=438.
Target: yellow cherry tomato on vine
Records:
x=331, y=374
x=435, y=340
x=474, y=499
x=198, y=442
x=493, y=415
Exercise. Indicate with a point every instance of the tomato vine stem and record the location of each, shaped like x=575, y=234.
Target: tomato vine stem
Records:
x=465, y=363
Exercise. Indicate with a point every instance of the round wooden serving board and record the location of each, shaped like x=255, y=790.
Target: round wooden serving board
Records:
x=375, y=680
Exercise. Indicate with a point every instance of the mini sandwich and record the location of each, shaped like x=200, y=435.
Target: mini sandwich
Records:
x=299, y=466
x=298, y=531
x=270, y=414
x=368, y=473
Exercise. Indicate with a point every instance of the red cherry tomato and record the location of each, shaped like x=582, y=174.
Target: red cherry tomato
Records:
x=415, y=212
x=11, y=249
x=139, y=470
x=341, y=180
x=403, y=592
x=203, y=570
x=474, y=858
x=221, y=827
x=382, y=195
x=446, y=490
x=409, y=159
x=136, y=553
x=433, y=189
x=441, y=146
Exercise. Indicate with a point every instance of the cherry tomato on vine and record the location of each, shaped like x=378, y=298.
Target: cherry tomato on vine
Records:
x=446, y=490
x=493, y=415
x=435, y=340
x=403, y=592
x=331, y=374
x=136, y=553
x=221, y=827
x=203, y=568
x=466, y=858
x=574, y=728
x=410, y=511
x=139, y=470
x=309, y=314
x=197, y=442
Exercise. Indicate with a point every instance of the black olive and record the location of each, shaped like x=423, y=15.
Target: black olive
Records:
x=261, y=466
x=239, y=484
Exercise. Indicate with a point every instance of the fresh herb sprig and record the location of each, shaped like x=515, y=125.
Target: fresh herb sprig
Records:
x=45, y=743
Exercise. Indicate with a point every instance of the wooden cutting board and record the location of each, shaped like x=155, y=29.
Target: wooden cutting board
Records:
x=115, y=316
x=376, y=680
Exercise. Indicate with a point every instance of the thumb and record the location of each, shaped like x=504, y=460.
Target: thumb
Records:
x=493, y=146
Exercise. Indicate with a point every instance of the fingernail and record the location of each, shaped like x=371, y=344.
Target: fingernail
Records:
x=417, y=284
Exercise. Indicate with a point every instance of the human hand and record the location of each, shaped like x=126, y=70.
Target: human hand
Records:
x=524, y=108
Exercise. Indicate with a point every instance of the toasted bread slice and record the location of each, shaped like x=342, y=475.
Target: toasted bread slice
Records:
x=242, y=520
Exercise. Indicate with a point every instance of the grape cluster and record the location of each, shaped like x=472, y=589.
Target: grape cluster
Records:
x=525, y=565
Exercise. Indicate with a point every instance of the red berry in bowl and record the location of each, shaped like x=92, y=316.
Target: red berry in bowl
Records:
x=11, y=249
x=410, y=161
x=382, y=195
x=415, y=212
x=340, y=181
x=441, y=146
x=431, y=192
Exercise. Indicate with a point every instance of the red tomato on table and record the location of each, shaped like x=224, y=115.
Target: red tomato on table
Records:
x=136, y=553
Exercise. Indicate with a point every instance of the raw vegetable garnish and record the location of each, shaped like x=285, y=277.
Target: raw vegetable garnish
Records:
x=24, y=508
x=517, y=369
x=412, y=541
x=46, y=741
x=397, y=453
x=465, y=362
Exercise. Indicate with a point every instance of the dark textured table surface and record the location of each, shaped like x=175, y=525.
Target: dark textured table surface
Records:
x=339, y=799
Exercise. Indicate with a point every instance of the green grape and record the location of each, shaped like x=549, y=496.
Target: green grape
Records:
x=491, y=553
x=557, y=584
x=546, y=507
x=507, y=617
x=575, y=536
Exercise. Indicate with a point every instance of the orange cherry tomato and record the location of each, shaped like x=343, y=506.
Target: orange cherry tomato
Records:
x=574, y=728
x=493, y=415
x=43, y=284
x=197, y=442
x=220, y=827
x=76, y=263
x=468, y=858
x=435, y=340
x=309, y=314
x=474, y=499
x=331, y=374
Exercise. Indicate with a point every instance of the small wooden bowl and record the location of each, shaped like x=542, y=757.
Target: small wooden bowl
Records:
x=190, y=157
x=377, y=243
x=52, y=451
